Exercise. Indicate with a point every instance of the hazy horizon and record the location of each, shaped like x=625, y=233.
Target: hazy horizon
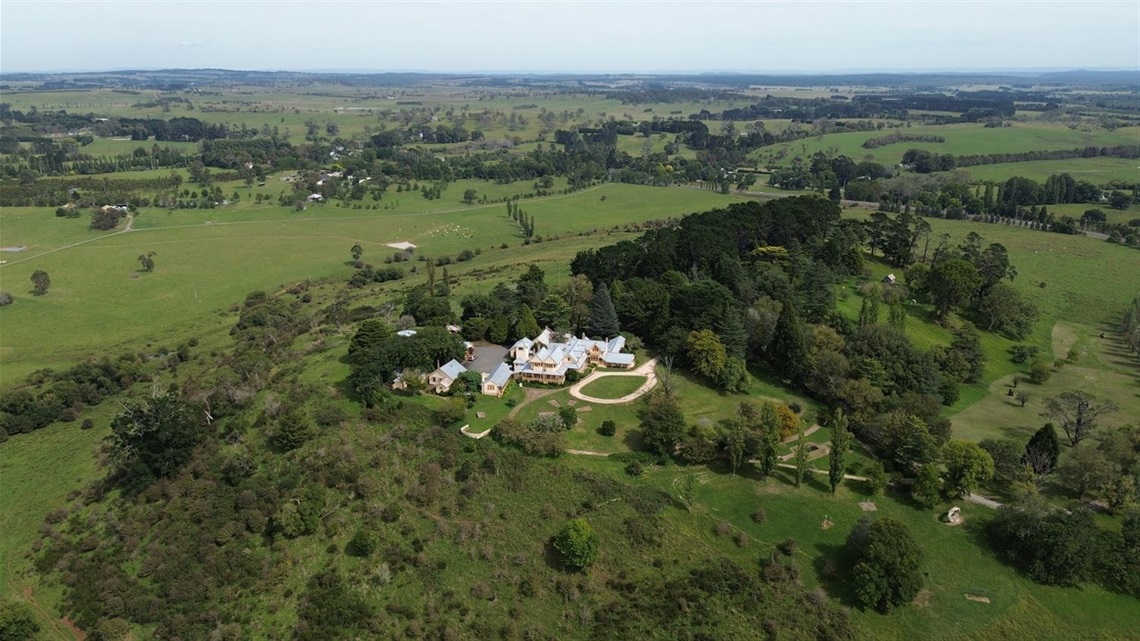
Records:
x=585, y=37
x=791, y=73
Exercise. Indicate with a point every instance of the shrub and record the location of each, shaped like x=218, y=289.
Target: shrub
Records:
x=787, y=547
x=722, y=528
x=1021, y=354
x=608, y=428
x=329, y=414
x=5, y=299
x=577, y=543
x=634, y=469
x=17, y=621
x=759, y=516
x=87, y=424
x=1040, y=372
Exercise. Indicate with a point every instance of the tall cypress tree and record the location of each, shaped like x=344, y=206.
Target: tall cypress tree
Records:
x=789, y=344
x=896, y=315
x=840, y=443
x=769, y=438
x=1043, y=450
x=527, y=326
x=603, y=316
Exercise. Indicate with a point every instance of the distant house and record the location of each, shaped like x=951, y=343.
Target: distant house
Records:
x=889, y=279
x=406, y=333
x=441, y=379
x=401, y=382
x=316, y=198
x=469, y=351
x=545, y=360
x=454, y=329
x=495, y=383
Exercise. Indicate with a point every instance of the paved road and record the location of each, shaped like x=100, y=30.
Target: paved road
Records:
x=648, y=370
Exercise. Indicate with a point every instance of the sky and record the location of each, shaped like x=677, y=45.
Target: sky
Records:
x=570, y=36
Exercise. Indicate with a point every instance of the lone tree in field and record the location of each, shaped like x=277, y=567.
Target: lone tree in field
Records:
x=357, y=252
x=577, y=544
x=887, y=560
x=40, y=282
x=1076, y=412
x=603, y=316
x=147, y=261
x=469, y=196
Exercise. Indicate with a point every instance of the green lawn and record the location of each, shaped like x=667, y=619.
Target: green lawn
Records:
x=613, y=386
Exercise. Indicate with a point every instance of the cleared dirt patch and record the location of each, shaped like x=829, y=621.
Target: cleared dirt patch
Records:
x=977, y=599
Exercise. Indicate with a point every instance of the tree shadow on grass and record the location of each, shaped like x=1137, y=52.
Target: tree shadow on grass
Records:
x=817, y=481
x=551, y=557
x=831, y=568
x=632, y=440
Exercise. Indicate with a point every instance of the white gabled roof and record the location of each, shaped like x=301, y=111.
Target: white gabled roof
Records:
x=501, y=375
x=616, y=343
x=453, y=369
x=545, y=337
x=523, y=342
x=406, y=333
x=620, y=359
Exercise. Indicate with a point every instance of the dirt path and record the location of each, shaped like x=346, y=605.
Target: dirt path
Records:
x=647, y=369
x=128, y=228
x=532, y=395
x=808, y=432
x=849, y=477
x=587, y=453
x=61, y=628
x=981, y=500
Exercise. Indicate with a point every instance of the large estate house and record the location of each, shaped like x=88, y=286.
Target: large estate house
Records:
x=541, y=359
x=544, y=360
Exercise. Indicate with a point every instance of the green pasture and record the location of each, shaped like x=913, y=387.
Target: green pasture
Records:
x=39, y=472
x=207, y=260
x=961, y=139
x=1070, y=278
x=1103, y=367
x=1098, y=170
